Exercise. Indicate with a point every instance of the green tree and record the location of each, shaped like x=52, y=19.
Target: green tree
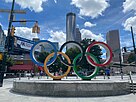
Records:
x=6, y=61
x=9, y=62
x=72, y=53
x=84, y=65
x=131, y=58
x=41, y=57
x=55, y=67
x=95, y=50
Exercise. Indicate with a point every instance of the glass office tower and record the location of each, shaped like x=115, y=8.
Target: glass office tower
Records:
x=70, y=28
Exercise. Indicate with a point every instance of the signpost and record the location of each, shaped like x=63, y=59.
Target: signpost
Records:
x=9, y=44
x=9, y=41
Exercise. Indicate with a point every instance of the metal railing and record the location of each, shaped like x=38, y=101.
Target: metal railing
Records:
x=132, y=83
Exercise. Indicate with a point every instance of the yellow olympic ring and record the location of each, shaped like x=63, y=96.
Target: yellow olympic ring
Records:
x=47, y=71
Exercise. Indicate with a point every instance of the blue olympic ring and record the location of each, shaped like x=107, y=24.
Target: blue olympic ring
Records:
x=33, y=50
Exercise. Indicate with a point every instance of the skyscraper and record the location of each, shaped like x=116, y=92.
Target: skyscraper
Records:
x=70, y=28
x=2, y=37
x=48, y=48
x=78, y=35
x=113, y=40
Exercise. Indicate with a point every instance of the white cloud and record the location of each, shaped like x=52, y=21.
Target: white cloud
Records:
x=60, y=36
x=1, y=24
x=55, y=1
x=25, y=32
x=129, y=5
x=130, y=22
x=126, y=43
x=88, y=34
x=89, y=24
x=33, y=5
x=57, y=36
x=91, y=8
x=81, y=17
x=5, y=32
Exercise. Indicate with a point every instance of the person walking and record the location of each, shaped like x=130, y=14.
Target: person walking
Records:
x=107, y=72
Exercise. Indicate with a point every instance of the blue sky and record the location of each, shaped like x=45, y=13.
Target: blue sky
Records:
x=94, y=18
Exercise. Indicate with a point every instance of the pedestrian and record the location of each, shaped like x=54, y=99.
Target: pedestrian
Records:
x=60, y=71
x=56, y=73
x=107, y=72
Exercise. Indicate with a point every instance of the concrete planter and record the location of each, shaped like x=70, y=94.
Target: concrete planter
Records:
x=71, y=88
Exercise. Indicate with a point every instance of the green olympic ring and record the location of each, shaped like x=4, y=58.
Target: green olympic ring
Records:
x=94, y=72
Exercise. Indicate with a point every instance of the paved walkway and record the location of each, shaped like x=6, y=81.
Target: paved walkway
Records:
x=7, y=96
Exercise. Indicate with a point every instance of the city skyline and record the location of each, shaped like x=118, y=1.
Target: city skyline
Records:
x=94, y=18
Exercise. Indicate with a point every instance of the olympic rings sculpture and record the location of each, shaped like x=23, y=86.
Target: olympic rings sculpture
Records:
x=91, y=59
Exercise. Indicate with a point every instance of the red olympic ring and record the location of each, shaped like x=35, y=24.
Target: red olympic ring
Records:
x=109, y=54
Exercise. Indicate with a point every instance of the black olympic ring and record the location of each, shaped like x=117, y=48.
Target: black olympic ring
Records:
x=75, y=43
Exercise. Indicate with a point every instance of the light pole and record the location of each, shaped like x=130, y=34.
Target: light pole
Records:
x=9, y=37
x=9, y=27
x=121, y=72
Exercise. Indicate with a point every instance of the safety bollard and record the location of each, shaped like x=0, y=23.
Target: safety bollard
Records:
x=19, y=76
x=104, y=75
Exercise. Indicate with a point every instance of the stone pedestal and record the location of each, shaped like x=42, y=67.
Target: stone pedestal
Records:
x=71, y=88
